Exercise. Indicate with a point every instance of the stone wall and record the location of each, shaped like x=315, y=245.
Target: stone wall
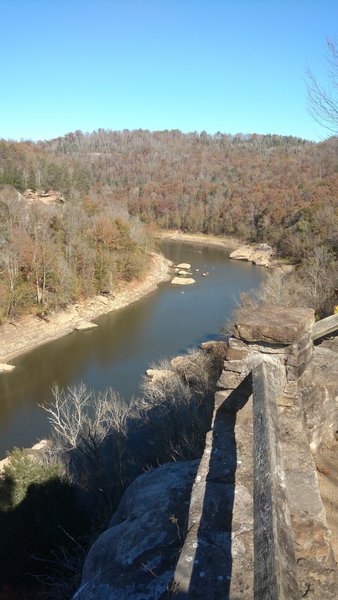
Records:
x=290, y=550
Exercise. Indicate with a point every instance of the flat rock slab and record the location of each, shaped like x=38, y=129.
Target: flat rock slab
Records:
x=183, y=281
x=4, y=368
x=276, y=324
x=185, y=266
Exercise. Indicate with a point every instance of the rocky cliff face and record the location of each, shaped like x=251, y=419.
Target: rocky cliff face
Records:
x=247, y=520
x=136, y=556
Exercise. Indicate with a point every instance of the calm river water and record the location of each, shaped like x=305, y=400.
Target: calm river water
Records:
x=163, y=324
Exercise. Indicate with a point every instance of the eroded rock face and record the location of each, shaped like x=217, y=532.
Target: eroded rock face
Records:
x=48, y=197
x=319, y=392
x=136, y=556
x=259, y=255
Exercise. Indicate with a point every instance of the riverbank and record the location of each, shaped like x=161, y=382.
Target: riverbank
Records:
x=230, y=244
x=31, y=331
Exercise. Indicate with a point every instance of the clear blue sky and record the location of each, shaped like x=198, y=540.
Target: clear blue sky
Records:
x=215, y=65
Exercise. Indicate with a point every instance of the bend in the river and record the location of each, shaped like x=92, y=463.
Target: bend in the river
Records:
x=162, y=324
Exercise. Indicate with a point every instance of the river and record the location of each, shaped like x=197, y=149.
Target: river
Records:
x=163, y=324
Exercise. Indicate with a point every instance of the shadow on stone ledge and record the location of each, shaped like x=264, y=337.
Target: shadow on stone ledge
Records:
x=205, y=564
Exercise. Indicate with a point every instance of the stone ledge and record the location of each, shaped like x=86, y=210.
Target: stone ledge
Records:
x=276, y=324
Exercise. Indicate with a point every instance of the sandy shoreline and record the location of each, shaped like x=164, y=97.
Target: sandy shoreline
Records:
x=229, y=243
x=30, y=331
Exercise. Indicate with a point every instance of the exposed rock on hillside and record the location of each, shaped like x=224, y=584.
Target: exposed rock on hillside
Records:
x=135, y=558
x=49, y=197
x=260, y=255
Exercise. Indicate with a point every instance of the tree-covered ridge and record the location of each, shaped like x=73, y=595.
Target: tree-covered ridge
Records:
x=54, y=254
x=281, y=190
x=260, y=187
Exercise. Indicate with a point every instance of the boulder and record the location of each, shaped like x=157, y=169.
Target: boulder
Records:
x=242, y=253
x=135, y=557
x=4, y=368
x=182, y=272
x=259, y=255
x=183, y=281
x=186, y=266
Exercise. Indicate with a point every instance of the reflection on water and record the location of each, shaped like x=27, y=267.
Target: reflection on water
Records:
x=117, y=352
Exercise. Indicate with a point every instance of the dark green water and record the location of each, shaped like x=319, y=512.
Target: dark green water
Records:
x=116, y=354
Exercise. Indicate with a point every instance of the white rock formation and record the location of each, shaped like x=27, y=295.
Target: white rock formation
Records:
x=183, y=281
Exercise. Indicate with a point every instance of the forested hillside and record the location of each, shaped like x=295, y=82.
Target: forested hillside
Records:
x=271, y=188
x=281, y=190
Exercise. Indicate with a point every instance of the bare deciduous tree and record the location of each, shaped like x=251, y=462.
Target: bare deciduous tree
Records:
x=177, y=406
x=312, y=285
x=323, y=101
x=90, y=429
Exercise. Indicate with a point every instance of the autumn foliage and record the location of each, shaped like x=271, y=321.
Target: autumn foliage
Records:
x=280, y=190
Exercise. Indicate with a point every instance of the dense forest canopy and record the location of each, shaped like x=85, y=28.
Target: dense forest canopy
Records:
x=261, y=188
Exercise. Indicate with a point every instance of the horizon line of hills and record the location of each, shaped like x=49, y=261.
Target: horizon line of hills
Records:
x=260, y=188
x=218, y=135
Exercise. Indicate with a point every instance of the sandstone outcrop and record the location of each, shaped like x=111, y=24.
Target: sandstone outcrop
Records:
x=214, y=346
x=275, y=505
x=49, y=197
x=136, y=556
x=256, y=525
x=4, y=368
x=258, y=255
x=270, y=323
